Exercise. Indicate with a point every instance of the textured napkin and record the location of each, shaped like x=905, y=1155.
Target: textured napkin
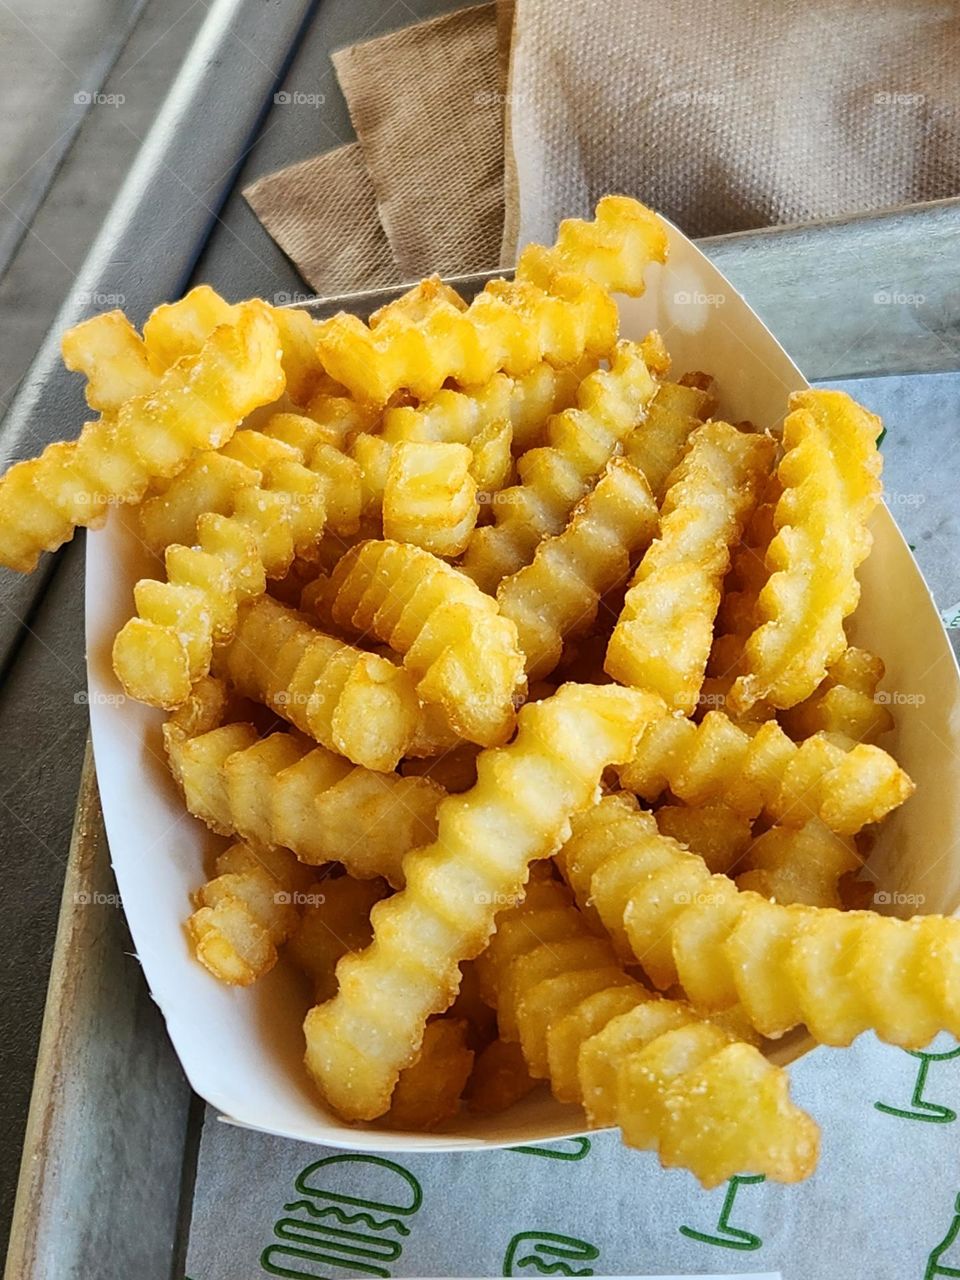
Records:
x=732, y=114
x=428, y=114
x=422, y=189
x=322, y=213
x=725, y=116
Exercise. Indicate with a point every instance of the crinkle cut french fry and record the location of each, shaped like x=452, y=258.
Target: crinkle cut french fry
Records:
x=462, y=416
x=335, y=919
x=675, y=1083
x=830, y=473
x=246, y=912
x=169, y=644
x=428, y=1091
x=558, y=593
x=455, y=770
x=499, y=1079
x=846, y=702
x=463, y=654
x=556, y=476
x=111, y=355
x=177, y=329
x=209, y=482
x=470, y=1005
x=283, y=791
x=718, y=833
x=657, y=444
x=554, y=310
x=502, y=417
x=755, y=769
x=430, y=497
x=213, y=481
x=196, y=405
x=839, y=972
x=663, y=637
x=350, y=701
x=803, y=866
x=519, y=811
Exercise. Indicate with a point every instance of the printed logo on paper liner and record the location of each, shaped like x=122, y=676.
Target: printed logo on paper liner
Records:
x=725, y=1236
x=331, y=1228
x=565, y=1149
x=944, y=1258
x=920, y=1108
x=547, y=1254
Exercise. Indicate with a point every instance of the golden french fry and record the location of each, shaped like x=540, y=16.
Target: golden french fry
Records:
x=455, y=770
x=111, y=355
x=246, y=912
x=471, y=1007
x=499, y=1079
x=196, y=405
x=282, y=790
x=428, y=1091
x=554, y=477
x=657, y=444
x=518, y=811
x=638, y=1061
x=839, y=972
x=555, y=310
x=430, y=496
x=846, y=702
x=755, y=769
x=719, y=834
x=830, y=474
x=209, y=482
x=350, y=701
x=798, y=866
x=213, y=481
x=161, y=652
x=179, y=329
x=663, y=637
x=523, y=403
x=463, y=654
x=334, y=920
x=558, y=593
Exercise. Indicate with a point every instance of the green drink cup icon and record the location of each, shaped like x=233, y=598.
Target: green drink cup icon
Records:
x=920, y=1108
x=944, y=1259
x=727, y=1236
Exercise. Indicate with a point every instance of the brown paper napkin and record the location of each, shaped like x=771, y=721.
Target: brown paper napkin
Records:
x=732, y=114
x=429, y=117
x=323, y=214
x=724, y=114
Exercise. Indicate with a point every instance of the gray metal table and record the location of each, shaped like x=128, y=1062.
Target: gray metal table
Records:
x=182, y=217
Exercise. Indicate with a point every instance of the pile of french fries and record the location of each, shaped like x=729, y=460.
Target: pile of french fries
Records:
x=567, y=768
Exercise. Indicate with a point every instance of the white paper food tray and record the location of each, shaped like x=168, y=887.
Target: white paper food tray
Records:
x=242, y=1049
